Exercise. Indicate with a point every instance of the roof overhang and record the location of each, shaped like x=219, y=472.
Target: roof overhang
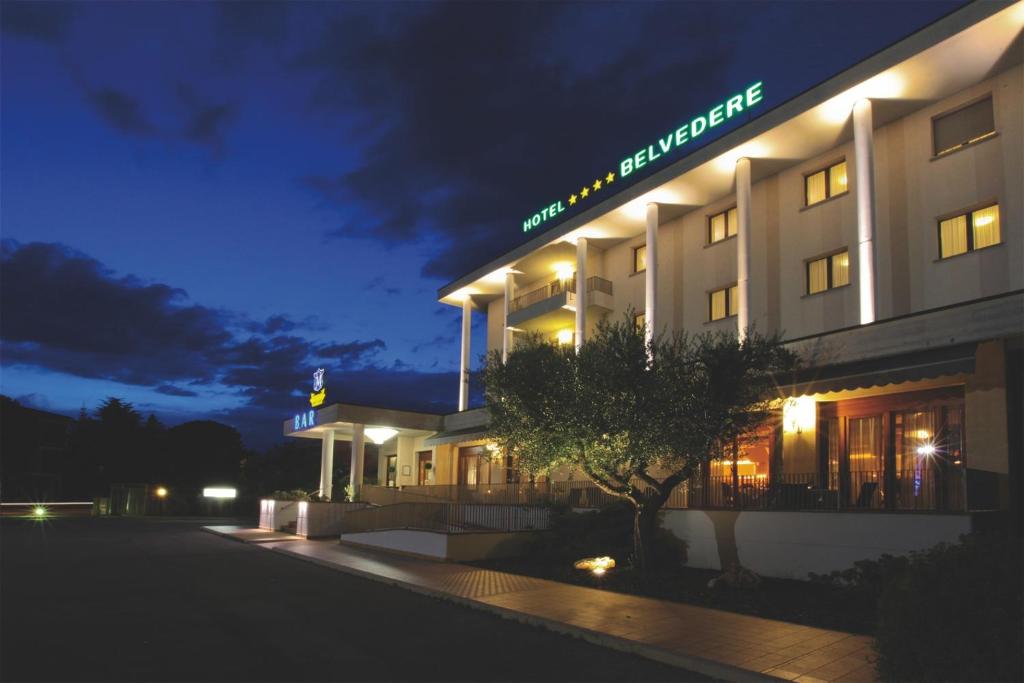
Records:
x=342, y=418
x=961, y=49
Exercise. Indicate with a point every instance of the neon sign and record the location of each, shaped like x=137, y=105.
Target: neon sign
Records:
x=663, y=146
x=316, y=399
x=305, y=420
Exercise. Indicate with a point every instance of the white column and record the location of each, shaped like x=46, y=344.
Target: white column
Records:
x=467, y=311
x=356, y=463
x=581, y=291
x=864, y=159
x=743, y=246
x=506, y=338
x=651, y=276
x=326, y=463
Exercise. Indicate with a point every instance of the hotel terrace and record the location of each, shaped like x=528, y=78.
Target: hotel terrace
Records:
x=875, y=221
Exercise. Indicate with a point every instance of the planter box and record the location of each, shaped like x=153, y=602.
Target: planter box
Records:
x=276, y=515
x=317, y=520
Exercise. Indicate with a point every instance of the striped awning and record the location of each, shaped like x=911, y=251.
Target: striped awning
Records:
x=876, y=372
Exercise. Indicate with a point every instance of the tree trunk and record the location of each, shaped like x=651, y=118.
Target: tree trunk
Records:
x=645, y=518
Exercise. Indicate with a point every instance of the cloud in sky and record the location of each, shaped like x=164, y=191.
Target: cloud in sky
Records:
x=66, y=312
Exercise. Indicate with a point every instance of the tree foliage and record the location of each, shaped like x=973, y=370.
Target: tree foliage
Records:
x=637, y=418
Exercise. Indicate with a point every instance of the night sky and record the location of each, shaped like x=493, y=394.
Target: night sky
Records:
x=201, y=203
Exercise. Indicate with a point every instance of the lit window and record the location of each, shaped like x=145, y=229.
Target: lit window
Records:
x=828, y=272
x=969, y=231
x=964, y=126
x=640, y=259
x=722, y=226
x=639, y=320
x=723, y=303
x=828, y=182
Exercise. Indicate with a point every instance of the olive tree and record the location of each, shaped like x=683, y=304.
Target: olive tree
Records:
x=637, y=418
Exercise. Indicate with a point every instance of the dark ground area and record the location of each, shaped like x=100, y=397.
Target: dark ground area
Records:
x=109, y=599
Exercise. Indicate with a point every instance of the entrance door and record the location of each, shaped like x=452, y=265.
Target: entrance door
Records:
x=392, y=471
x=423, y=464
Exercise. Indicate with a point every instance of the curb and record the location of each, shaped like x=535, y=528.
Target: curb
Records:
x=693, y=663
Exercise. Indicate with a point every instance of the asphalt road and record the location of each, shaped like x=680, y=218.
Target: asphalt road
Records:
x=158, y=600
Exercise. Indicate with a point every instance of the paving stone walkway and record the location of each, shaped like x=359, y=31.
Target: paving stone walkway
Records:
x=720, y=644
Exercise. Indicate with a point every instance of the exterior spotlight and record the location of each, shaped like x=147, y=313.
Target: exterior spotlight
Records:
x=595, y=565
x=798, y=414
x=39, y=511
x=161, y=492
x=927, y=450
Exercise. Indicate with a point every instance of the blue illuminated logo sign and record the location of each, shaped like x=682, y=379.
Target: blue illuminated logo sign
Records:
x=305, y=420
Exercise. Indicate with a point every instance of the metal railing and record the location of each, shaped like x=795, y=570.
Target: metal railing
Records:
x=447, y=518
x=556, y=287
x=858, y=490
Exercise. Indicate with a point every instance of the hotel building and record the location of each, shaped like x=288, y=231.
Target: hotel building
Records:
x=874, y=221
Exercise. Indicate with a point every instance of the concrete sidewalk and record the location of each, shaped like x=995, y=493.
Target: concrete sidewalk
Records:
x=720, y=644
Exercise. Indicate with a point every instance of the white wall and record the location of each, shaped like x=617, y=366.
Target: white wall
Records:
x=792, y=544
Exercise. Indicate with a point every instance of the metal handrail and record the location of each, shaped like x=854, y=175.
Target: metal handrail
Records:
x=557, y=287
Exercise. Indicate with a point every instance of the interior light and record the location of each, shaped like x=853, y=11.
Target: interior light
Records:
x=564, y=270
x=982, y=220
x=380, y=434
x=884, y=86
x=927, y=450
x=219, y=492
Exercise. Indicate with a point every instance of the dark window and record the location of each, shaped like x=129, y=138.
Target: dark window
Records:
x=964, y=126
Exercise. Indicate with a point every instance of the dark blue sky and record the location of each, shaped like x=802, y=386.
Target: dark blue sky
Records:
x=200, y=203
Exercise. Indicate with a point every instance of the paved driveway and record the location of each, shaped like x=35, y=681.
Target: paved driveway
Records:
x=155, y=600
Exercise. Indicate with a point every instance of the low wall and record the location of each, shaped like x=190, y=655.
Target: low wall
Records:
x=792, y=544
x=277, y=514
x=318, y=520
x=437, y=545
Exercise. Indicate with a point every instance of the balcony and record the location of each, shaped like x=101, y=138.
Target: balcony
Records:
x=553, y=306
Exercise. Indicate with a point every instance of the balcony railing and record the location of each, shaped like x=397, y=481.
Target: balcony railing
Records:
x=594, y=284
x=446, y=517
x=857, y=491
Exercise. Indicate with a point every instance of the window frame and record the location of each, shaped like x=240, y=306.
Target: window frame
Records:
x=639, y=321
x=827, y=256
x=969, y=215
x=725, y=212
x=970, y=143
x=730, y=305
x=828, y=182
x=636, y=252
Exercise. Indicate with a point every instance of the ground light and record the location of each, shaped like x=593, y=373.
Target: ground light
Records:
x=596, y=565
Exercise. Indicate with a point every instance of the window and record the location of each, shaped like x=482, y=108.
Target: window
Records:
x=722, y=226
x=639, y=321
x=969, y=231
x=828, y=272
x=640, y=258
x=962, y=127
x=723, y=303
x=826, y=183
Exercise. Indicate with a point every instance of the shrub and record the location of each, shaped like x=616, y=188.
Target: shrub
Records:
x=953, y=613
x=295, y=494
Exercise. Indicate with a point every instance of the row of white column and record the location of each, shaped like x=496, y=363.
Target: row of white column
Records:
x=864, y=162
x=357, y=462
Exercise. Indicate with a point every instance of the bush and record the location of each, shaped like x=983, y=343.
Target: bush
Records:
x=954, y=613
x=295, y=494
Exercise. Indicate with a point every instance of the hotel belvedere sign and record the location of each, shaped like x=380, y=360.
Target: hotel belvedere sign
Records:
x=663, y=146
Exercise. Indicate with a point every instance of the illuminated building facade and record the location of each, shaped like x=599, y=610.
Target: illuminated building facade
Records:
x=875, y=222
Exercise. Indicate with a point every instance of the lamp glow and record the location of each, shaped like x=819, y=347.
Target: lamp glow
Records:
x=219, y=492
x=161, y=492
x=596, y=565
x=38, y=511
x=379, y=435
x=565, y=337
x=927, y=450
x=798, y=414
x=564, y=271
